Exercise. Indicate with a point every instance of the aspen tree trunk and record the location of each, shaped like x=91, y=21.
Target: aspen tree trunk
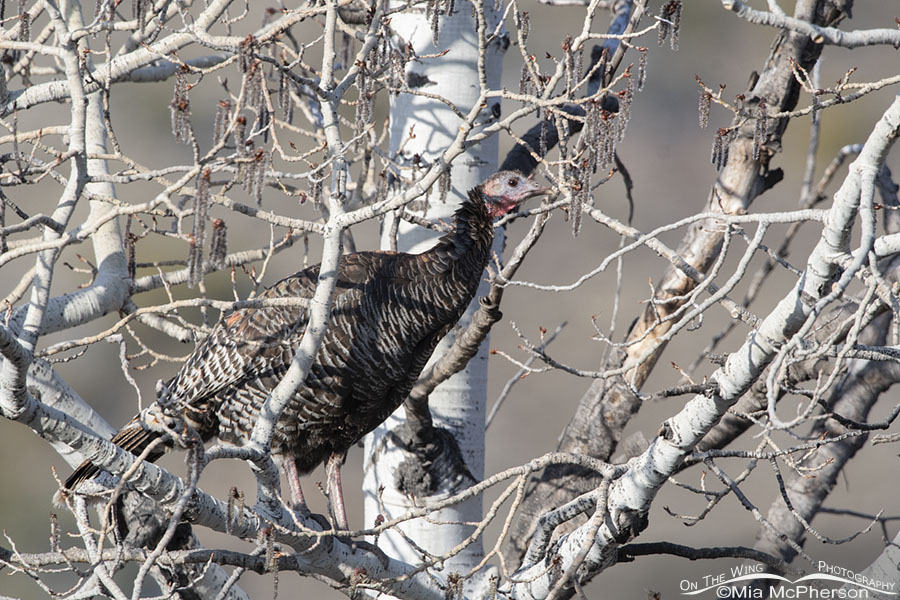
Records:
x=458, y=404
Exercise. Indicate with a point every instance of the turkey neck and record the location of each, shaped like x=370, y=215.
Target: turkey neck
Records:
x=466, y=248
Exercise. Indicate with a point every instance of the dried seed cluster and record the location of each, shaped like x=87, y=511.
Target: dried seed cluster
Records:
x=130, y=239
x=642, y=68
x=181, y=109
x=240, y=135
x=198, y=234
x=705, y=100
x=139, y=10
x=721, y=144
x=574, y=59
x=218, y=250
x=24, y=34
x=252, y=174
x=602, y=130
x=365, y=103
x=443, y=186
x=397, y=69
x=433, y=10
x=670, y=23
x=761, y=129
x=222, y=121
x=245, y=53
x=315, y=185
x=285, y=99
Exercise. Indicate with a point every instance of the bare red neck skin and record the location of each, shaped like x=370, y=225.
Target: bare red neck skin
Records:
x=498, y=207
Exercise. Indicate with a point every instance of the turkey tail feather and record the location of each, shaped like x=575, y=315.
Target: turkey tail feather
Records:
x=134, y=437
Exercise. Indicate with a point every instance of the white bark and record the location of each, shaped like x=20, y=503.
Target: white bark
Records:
x=883, y=569
x=458, y=404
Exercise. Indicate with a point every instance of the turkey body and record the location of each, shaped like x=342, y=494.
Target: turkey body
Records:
x=390, y=310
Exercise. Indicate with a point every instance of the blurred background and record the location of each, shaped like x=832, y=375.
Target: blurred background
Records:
x=668, y=156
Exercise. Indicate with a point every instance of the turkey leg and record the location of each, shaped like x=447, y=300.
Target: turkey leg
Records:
x=293, y=477
x=333, y=488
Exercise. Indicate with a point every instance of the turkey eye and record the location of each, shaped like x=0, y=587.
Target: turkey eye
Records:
x=513, y=182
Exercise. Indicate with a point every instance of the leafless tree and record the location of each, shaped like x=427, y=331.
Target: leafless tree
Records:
x=297, y=137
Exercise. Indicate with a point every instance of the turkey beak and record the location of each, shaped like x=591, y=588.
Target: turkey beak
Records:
x=537, y=190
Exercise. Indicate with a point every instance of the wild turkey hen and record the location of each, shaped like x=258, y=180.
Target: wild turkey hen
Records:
x=390, y=311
